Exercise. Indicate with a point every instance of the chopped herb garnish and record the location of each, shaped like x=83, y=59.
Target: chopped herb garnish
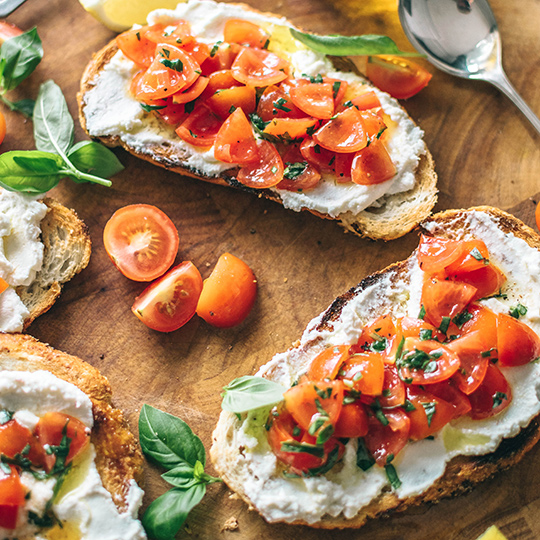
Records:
x=498, y=399
x=357, y=376
x=267, y=42
x=317, y=149
x=192, y=134
x=333, y=458
x=331, y=162
x=445, y=323
x=5, y=416
x=303, y=448
x=318, y=79
x=335, y=88
x=347, y=400
x=188, y=107
x=389, y=459
x=518, y=311
x=430, y=409
x=422, y=313
x=175, y=64
x=400, y=348
x=392, y=476
x=311, y=130
x=274, y=169
x=138, y=34
x=364, y=460
x=317, y=424
x=426, y=334
x=487, y=354
x=475, y=252
x=280, y=104
x=378, y=413
x=325, y=434
x=409, y=406
x=461, y=318
x=5, y=468
x=296, y=431
x=165, y=53
x=387, y=392
x=419, y=360
x=348, y=104
x=150, y=108
x=294, y=170
x=380, y=343
x=232, y=109
x=215, y=49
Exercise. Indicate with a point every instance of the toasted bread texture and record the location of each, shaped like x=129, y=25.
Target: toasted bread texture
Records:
x=461, y=472
x=67, y=252
x=118, y=457
x=392, y=217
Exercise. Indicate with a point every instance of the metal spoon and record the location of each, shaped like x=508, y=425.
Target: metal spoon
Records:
x=461, y=37
x=9, y=6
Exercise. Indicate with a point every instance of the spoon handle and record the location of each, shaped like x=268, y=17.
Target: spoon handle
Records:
x=500, y=80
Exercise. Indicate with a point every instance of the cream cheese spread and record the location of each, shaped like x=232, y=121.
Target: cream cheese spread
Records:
x=347, y=489
x=82, y=504
x=110, y=110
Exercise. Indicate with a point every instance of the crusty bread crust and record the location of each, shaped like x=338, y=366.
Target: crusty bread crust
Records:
x=398, y=214
x=462, y=472
x=118, y=458
x=67, y=252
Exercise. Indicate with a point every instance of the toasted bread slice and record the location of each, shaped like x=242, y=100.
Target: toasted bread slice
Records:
x=392, y=216
x=67, y=252
x=118, y=457
x=386, y=291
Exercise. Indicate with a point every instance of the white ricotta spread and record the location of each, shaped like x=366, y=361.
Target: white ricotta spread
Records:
x=82, y=503
x=21, y=253
x=110, y=110
x=347, y=489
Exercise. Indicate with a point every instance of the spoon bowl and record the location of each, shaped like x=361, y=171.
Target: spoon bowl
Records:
x=461, y=37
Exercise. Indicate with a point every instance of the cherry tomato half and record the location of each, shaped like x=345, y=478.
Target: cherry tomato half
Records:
x=12, y=497
x=171, y=301
x=14, y=438
x=2, y=127
x=141, y=241
x=8, y=30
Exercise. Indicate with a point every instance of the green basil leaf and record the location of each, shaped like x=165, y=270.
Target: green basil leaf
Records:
x=94, y=158
x=182, y=476
x=25, y=106
x=30, y=171
x=247, y=393
x=365, y=45
x=168, y=439
x=53, y=124
x=166, y=515
x=19, y=56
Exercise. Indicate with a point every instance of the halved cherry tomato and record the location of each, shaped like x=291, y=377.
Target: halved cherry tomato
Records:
x=229, y=294
x=317, y=155
x=487, y=280
x=171, y=301
x=292, y=128
x=393, y=394
x=352, y=422
x=400, y=77
x=481, y=319
x=315, y=99
x=12, y=497
x=435, y=253
x=178, y=33
x=449, y=392
x=418, y=328
x=326, y=365
x=372, y=164
x=221, y=58
x=141, y=241
x=170, y=112
x=51, y=429
x=474, y=255
x=193, y=92
x=3, y=285
x=430, y=413
x=299, y=174
x=2, y=127
x=219, y=80
x=386, y=440
x=377, y=334
x=276, y=103
x=365, y=372
x=245, y=33
x=374, y=124
x=366, y=100
x=14, y=438
x=8, y=30
x=517, y=344
x=345, y=132
x=492, y=396
x=266, y=172
x=198, y=51
x=229, y=99
x=200, y=127
x=258, y=67
x=235, y=142
x=137, y=47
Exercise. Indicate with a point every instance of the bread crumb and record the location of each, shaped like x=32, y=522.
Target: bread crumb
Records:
x=233, y=496
x=230, y=525
x=285, y=280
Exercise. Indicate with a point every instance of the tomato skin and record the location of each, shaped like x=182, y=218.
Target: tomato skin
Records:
x=13, y=439
x=141, y=241
x=326, y=365
x=317, y=155
x=393, y=394
x=219, y=80
x=450, y=393
x=517, y=344
x=173, y=113
x=383, y=441
x=484, y=399
x=258, y=67
x=435, y=254
x=8, y=30
x=221, y=59
x=411, y=327
x=366, y=372
x=229, y=294
x=400, y=77
x=344, y=133
x=245, y=33
x=352, y=422
x=12, y=497
x=276, y=95
x=420, y=426
x=171, y=301
x=137, y=47
x=3, y=127
x=467, y=262
x=266, y=172
x=366, y=100
x=200, y=127
x=239, y=97
x=487, y=281
x=314, y=99
x=372, y=164
x=172, y=34
x=193, y=92
x=295, y=128
x=235, y=142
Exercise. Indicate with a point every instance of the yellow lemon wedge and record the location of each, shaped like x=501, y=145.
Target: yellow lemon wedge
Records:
x=120, y=15
x=492, y=533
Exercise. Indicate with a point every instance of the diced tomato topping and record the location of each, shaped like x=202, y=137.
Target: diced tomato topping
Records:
x=418, y=328
x=266, y=172
x=177, y=34
x=492, y=396
x=14, y=438
x=388, y=439
x=517, y=344
x=245, y=33
x=430, y=413
x=221, y=58
x=290, y=128
x=299, y=174
x=341, y=164
x=375, y=126
x=380, y=331
x=366, y=100
x=452, y=395
x=198, y=51
x=345, y=132
x=200, y=127
x=257, y=67
x=219, y=80
x=235, y=142
x=372, y=164
x=12, y=497
x=276, y=103
x=487, y=281
x=365, y=373
x=137, y=47
x=193, y=92
x=315, y=99
x=317, y=155
x=224, y=102
x=473, y=256
x=393, y=393
x=435, y=254
x=170, y=112
x=326, y=365
x=352, y=422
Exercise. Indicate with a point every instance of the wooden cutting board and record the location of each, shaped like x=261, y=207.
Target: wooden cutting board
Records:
x=486, y=153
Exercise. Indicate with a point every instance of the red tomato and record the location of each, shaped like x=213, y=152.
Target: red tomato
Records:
x=193, y=92
x=219, y=80
x=320, y=157
x=221, y=58
x=352, y=421
x=245, y=33
x=482, y=320
x=379, y=333
x=257, y=67
x=198, y=51
x=3, y=285
x=292, y=128
x=487, y=281
x=430, y=413
x=315, y=99
x=435, y=254
x=276, y=103
x=171, y=301
x=326, y=365
x=308, y=178
x=266, y=172
x=372, y=164
x=474, y=255
x=375, y=125
x=172, y=113
x=383, y=441
x=517, y=344
x=393, y=394
x=229, y=294
x=141, y=241
x=8, y=30
x=447, y=391
x=492, y=396
x=51, y=429
x=12, y=497
x=366, y=100
x=200, y=127
x=137, y=47
x=400, y=77
x=345, y=132
x=230, y=99
x=305, y=400
x=2, y=127
x=342, y=165
x=14, y=438
x=170, y=34
x=411, y=327
x=426, y=362
x=235, y=142
x=366, y=373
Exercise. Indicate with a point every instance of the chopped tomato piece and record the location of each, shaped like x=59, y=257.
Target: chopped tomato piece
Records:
x=372, y=164
x=339, y=87
x=168, y=111
x=430, y=414
x=400, y=77
x=299, y=175
x=435, y=253
x=481, y=319
x=388, y=439
x=316, y=155
x=171, y=301
x=326, y=365
x=141, y=241
x=315, y=99
x=345, y=132
x=200, y=127
x=342, y=167
x=376, y=335
x=245, y=33
x=224, y=102
x=266, y=172
x=365, y=373
x=193, y=92
x=137, y=47
x=219, y=80
x=290, y=128
x=366, y=100
x=221, y=58
x=229, y=294
x=3, y=283
x=474, y=255
x=257, y=67
x=198, y=51
x=171, y=34
x=14, y=438
x=492, y=396
x=8, y=30
x=393, y=394
x=375, y=125
x=487, y=281
x=517, y=344
x=450, y=393
x=12, y=497
x=276, y=103
x=352, y=421
x=235, y=142
x=418, y=328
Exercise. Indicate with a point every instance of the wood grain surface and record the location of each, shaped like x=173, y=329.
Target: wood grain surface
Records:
x=486, y=153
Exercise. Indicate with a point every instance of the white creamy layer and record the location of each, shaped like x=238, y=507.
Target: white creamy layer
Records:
x=83, y=501
x=346, y=490
x=21, y=253
x=110, y=110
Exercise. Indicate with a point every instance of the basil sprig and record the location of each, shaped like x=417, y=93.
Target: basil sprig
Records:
x=19, y=57
x=248, y=393
x=336, y=45
x=56, y=157
x=169, y=441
